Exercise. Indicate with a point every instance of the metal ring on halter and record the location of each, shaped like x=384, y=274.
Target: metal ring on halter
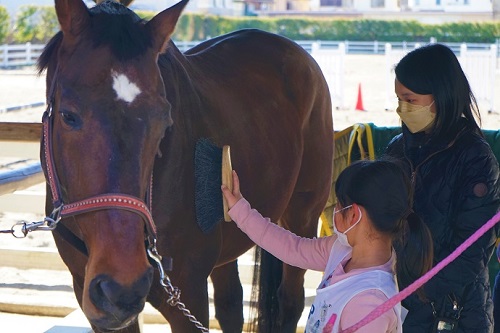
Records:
x=53, y=219
x=23, y=230
x=153, y=254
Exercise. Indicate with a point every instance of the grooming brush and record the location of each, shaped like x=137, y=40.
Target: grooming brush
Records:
x=212, y=169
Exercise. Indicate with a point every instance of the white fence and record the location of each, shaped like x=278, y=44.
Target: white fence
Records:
x=19, y=55
x=331, y=62
x=20, y=161
x=479, y=67
x=27, y=54
x=366, y=47
x=479, y=61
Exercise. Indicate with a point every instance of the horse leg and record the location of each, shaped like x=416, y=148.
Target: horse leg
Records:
x=281, y=296
x=291, y=298
x=228, y=297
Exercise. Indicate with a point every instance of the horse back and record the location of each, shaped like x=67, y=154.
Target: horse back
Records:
x=249, y=68
x=266, y=97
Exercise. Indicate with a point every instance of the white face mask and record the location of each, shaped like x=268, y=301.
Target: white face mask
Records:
x=416, y=117
x=342, y=236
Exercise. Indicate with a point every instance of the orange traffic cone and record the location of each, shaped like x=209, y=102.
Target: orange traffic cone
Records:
x=359, y=103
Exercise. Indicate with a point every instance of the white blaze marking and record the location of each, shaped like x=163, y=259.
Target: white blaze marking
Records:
x=125, y=89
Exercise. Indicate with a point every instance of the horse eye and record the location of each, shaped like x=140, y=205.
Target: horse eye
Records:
x=71, y=119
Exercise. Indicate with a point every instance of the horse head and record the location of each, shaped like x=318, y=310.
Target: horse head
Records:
x=123, y=2
x=109, y=112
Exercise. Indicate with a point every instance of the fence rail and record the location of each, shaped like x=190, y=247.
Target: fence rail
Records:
x=16, y=139
x=15, y=55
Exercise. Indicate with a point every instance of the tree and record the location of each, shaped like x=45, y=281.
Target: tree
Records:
x=35, y=24
x=4, y=24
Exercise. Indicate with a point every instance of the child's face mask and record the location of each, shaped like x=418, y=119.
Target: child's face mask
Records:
x=342, y=236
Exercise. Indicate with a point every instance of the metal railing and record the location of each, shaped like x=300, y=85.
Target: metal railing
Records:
x=367, y=47
x=16, y=55
x=21, y=168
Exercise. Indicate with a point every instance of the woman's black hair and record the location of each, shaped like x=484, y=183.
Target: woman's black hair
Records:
x=383, y=189
x=434, y=69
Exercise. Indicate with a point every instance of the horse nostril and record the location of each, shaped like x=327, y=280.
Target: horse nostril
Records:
x=104, y=292
x=109, y=289
x=108, y=295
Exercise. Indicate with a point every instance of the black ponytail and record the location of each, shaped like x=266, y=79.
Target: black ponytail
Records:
x=414, y=252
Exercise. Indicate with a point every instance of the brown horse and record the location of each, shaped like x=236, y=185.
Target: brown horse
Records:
x=125, y=104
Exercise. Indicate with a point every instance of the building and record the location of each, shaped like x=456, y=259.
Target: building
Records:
x=425, y=11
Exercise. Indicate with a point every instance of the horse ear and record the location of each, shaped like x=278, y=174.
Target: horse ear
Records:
x=162, y=26
x=73, y=16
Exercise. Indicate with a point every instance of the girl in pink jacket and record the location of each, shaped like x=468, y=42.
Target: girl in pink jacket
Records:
x=373, y=225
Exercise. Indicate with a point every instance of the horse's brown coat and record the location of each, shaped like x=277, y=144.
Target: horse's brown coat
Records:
x=259, y=93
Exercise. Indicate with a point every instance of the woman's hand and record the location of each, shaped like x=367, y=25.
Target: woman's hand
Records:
x=232, y=197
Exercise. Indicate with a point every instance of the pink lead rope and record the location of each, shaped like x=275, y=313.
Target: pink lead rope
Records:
x=391, y=302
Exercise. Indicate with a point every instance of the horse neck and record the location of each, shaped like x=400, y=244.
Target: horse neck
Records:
x=185, y=79
x=175, y=70
x=183, y=97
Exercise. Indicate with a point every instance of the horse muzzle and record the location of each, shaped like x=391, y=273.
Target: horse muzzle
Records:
x=118, y=305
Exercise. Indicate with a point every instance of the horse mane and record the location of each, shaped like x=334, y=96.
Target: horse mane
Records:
x=113, y=25
x=49, y=50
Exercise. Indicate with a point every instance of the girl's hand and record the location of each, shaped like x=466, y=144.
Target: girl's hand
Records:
x=232, y=197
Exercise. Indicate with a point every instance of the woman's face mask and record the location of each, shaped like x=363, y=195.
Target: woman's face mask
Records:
x=342, y=236
x=416, y=117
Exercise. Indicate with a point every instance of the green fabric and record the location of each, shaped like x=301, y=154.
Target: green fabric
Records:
x=382, y=135
x=493, y=139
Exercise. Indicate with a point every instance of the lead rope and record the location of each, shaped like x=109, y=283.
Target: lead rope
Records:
x=391, y=302
x=174, y=293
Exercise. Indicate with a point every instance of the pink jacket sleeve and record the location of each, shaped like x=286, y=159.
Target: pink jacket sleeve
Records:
x=306, y=253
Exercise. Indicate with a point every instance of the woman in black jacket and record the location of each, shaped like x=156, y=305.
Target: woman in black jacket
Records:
x=455, y=188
